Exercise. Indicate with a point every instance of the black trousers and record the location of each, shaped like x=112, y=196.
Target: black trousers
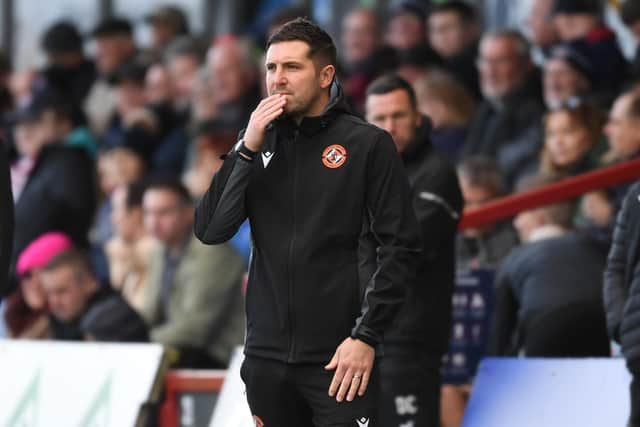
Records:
x=410, y=387
x=634, y=388
x=296, y=395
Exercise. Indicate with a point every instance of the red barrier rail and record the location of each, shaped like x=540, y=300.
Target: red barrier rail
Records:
x=566, y=189
x=183, y=381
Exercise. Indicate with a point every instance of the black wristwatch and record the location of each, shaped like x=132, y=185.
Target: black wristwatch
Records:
x=244, y=152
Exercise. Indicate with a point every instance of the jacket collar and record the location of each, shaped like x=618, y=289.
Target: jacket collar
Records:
x=421, y=145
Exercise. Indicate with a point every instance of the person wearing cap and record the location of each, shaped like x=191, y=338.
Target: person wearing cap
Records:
x=579, y=24
x=26, y=314
x=453, y=32
x=6, y=219
x=406, y=26
x=74, y=296
x=566, y=74
x=630, y=14
x=167, y=23
x=53, y=184
x=114, y=47
x=68, y=70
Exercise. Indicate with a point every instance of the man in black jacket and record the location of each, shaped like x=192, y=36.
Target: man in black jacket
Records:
x=622, y=291
x=414, y=346
x=308, y=174
x=6, y=219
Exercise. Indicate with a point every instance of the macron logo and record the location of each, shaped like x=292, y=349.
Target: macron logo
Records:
x=266, y=158
x=363, y=422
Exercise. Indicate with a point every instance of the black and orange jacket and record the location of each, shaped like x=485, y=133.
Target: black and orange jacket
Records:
x=307, y=196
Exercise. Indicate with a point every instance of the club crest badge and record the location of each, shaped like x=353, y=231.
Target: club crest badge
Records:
x=334, y=156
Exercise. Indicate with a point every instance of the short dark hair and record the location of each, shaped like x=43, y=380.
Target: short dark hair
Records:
x=464, y=10
x=389, y=83
x=75, y=258
x=112, y=27
x=282, y=16
x=169, y=183
x=560, y=213
x=61, y=37
x=482, y=171
x=630, y=12
x=184, y=46
x=321, y=45
x=135, y=193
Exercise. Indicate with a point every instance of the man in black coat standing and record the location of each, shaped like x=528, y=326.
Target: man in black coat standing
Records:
x=415, y=344
x=6, y=219
x=622, y=291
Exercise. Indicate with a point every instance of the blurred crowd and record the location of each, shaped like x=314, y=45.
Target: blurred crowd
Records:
x=110, y=152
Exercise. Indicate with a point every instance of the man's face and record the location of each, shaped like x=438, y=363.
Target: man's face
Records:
x=112, y=51
x=183, y=71
x=290, y=71
x=622, y=130
x=475, y=196
x=130, y=96
x=125, y=221
x=158, y=87
x=394, y=113
x=405, y=30
x=561, y=82
x=30, y=137
x=67, y=294
x=448, y=34
x=166, y=217
x=501, y=68
x=541, y=28
x=227, y=74
x=359, y=35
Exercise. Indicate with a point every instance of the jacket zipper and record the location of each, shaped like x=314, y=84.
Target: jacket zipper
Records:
x=292, y=342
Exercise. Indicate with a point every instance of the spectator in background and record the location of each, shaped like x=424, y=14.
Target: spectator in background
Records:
x=129, y=250
x=630, y=14
x=193, y=300
x=53, y=184
x=233, y=81
x=544, y=305
x=114, y=47
x=6, y=219
x=406, y=27
x=453, y=33
x=450, y=107
x=167, y=23
x=579, y=24
x=74, y=295
x=484, y=247
x=623, y=134
x=621, y=291
x=363, y=53
x=26, y=312
x=68, y=70
x=116, y=167
x=415, y=344
x=507, y=123
x=416, y=62
x=284, y=15
x=183, y=58
x=541, y=31
x=567, y=74
x=157, y=85
x=573, y=141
